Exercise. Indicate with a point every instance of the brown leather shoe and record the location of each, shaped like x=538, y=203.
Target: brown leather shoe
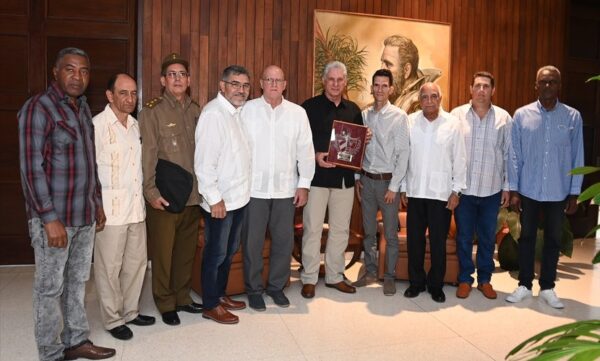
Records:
x=231, y=304
x=342, y=287
x=308, y=291
x=463, y=290
x=221, y=315
x=89, y=351
x=487, y=290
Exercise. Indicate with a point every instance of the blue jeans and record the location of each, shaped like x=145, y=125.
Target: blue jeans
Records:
x=221, y=241
x=554, y=217
x=59, y=289
x=476, y=215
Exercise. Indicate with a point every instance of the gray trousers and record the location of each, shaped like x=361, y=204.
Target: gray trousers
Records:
x=278, y=215
x=59, y=289
x=372, y=195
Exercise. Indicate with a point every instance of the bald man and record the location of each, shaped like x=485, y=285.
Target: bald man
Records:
x=283, y=165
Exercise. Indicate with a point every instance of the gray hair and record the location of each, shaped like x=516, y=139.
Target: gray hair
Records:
x=335, y=65
x=70, y=51
x=234, y=70
x=550, y=68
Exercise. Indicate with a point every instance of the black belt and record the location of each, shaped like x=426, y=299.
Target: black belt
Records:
x=381, y=176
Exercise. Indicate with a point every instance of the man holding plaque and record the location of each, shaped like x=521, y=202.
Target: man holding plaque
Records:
x=384, y=167
x=332, y=188
x=436, y=175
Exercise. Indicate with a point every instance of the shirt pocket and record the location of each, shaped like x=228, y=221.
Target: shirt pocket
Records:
x=171, y=139
x=64, y=136
x=561, y=135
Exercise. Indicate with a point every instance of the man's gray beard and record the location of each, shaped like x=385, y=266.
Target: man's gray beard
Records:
x=398, y=87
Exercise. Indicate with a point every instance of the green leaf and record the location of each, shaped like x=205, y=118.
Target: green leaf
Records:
x=590, y=192
x=592, y=231
x=596, y=258
x=584, y=170
x=597, y=77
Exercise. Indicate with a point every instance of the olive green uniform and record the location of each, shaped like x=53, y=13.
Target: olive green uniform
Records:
x=167, y=128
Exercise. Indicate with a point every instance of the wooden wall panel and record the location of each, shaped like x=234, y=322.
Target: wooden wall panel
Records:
x=31, y=33
x=510, y=38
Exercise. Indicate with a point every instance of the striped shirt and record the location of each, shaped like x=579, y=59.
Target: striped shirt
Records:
x=487, y=143
x=57, y=159
x=546, y=145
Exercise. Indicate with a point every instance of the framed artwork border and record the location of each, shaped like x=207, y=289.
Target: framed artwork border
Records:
x=357, y=40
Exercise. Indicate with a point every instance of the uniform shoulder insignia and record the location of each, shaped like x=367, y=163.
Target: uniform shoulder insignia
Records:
x=152, y=103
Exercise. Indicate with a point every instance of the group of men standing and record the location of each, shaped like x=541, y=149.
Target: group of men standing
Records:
x=245, y=166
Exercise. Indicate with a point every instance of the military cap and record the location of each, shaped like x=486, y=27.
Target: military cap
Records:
x=173, y=58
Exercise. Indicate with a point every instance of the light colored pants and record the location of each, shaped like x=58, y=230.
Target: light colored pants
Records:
x=59, y=289
x=339, y=204
x=120, y=259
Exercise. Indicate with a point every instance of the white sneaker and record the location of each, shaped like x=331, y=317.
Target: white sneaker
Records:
x=551, y=298
x=519, y=295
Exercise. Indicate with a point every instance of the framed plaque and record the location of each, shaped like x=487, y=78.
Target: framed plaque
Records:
x=347, y=144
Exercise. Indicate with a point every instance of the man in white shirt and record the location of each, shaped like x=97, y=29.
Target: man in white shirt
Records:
x=120, y=249
x=383, y=168
x=283, y=165
x=436, y=176
x=222, y=164
x=486, y=130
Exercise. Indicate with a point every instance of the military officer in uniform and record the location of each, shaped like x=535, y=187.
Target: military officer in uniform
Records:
x=167, y=126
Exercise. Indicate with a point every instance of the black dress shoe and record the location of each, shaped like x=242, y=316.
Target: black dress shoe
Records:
x=191, y=308
x=171, y=318
x=413, y=291
x=438, y=296
x=143, y=320
x=121, y=332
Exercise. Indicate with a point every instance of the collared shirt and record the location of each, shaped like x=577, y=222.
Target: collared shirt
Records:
x=387, y=152
x=321, y=113
x=283, y=156
x=546, y=146
x=436, y=165
x=167, y=127
x=119, y=159
x=57, y=161
x=487, y=144
x=222, y=159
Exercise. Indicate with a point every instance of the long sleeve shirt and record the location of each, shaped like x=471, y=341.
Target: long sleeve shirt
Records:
x=57, y=159
x=167, y=128
x=546, y=146
x=119, y=159
x=487, y=144
x=387, y=152
x=436, y=165
x=283, y=156
x=222, y=158
x=321, y=113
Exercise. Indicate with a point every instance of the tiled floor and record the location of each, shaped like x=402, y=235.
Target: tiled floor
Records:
x=332, y=326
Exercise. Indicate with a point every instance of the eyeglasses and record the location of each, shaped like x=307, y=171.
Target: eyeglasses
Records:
x=177, y=74
x=548, y=82
x=274, y=81
x=237, y=85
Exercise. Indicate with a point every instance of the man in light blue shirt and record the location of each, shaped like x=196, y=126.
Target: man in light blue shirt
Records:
x=546, y=144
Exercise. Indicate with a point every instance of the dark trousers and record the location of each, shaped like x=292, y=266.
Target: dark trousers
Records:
x=423, y=214
x=278, y=216
x=554, y=216
x=221, y=241
x=173, y=238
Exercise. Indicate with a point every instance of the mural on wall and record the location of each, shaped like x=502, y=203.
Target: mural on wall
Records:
x=414, y=51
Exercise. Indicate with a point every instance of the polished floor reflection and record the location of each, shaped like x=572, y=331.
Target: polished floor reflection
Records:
x=331, y=326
